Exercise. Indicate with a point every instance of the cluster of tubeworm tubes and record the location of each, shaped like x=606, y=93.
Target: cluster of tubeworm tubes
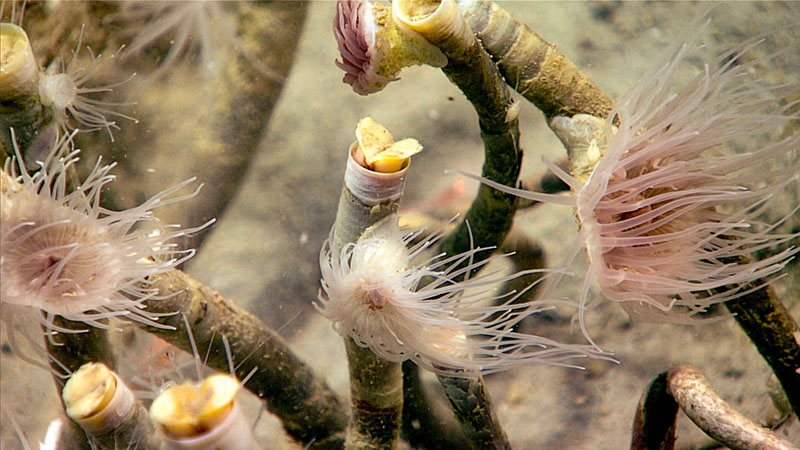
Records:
x=668, y=191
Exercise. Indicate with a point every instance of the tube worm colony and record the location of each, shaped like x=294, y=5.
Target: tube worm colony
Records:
x=643, y=195
x=379, y=292
x=653, y=188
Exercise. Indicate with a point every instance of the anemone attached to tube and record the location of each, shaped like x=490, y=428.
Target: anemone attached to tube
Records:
x=64, y=88
x=374, y=47
x=670, y=216
x=431, y=312
x=61, y=253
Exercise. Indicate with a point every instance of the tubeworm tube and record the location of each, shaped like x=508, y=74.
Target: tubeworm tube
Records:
x=98, y=400
x=20, y=106
x=685, y=386
x=20, y=72
x=309, y=411
x=533, y=66
x=203, y=416
x=376, y=385
x=471, y=69
x=368, y=195
x=490, y=217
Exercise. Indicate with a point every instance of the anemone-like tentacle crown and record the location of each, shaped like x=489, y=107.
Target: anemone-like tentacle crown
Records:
x=63, y=253
x=670, y=216
x=354, y=28
x=668, y=211
x=64, y=88
x=431, y=313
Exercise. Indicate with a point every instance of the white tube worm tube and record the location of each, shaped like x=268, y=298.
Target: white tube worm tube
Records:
x=98, y=400
x=203, y=416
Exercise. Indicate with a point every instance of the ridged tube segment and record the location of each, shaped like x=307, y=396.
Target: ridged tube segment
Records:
x=20, y=105
x=489, y=219
x=376, y=385
x=692, y=391
x=98, y=400
x=533, y=66
x=203, y=416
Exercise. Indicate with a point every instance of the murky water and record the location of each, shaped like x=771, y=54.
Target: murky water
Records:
x=267, y=135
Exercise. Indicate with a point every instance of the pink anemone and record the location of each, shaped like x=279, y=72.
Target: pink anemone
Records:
x=670, y=215
x=354, y=28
